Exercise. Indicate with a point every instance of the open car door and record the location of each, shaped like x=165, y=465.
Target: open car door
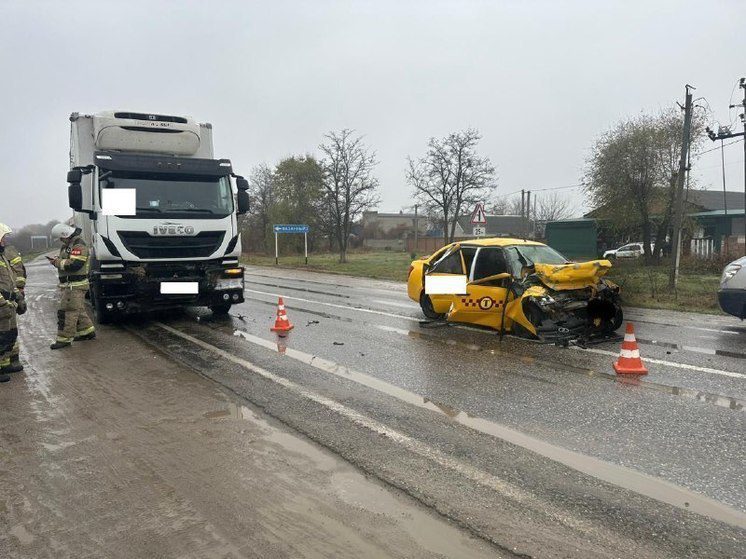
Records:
x=450, y=268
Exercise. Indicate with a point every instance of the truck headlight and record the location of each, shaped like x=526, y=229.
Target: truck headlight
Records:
x=229, y=283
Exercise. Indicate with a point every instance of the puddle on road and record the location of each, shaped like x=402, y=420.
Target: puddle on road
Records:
x=729, y=402
x=615, y=474
x=356, y=489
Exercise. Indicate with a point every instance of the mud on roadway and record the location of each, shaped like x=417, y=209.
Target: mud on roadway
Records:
x=185, y=435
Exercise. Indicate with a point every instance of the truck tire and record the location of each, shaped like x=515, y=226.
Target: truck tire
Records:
x=220, y=309
x=100, y=314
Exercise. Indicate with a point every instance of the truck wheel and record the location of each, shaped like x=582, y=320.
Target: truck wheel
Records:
x=427, y=308
x=220, y=309
x=100, y=314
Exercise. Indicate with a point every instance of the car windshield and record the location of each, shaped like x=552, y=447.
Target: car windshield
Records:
x=170, y=195
x=527, y=255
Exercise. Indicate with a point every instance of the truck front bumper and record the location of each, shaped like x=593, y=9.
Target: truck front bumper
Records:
x=137, y=287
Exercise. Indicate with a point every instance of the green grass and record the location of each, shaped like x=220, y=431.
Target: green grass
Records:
x=641, y=286
x=379, y=265
x=647, y=286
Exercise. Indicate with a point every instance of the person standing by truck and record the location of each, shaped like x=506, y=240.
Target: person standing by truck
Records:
x=73, y=322
x=16, y=262
x=9, y=296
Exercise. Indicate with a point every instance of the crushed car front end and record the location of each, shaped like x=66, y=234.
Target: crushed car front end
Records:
x=565, y=301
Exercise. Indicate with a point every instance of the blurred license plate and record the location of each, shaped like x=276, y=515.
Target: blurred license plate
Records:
x=179, y=288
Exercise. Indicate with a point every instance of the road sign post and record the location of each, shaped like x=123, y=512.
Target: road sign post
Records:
x=479, y=220
x=292, y=229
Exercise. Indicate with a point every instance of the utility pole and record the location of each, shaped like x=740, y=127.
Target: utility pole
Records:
x=679, y=200
x=725, y=133
x=528, y=213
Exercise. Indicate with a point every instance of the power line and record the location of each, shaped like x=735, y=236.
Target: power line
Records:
x=544, y=189
x=717, y=148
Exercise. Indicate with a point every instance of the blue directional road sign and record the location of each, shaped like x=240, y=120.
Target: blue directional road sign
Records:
x=290, y=228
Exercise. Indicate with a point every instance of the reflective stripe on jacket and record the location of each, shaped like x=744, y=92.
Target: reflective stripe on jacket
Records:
x=73, y=264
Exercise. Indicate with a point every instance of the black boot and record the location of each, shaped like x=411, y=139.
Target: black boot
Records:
x=4, y=378
x=84, y=337
x=60, y=345
x=14, y=367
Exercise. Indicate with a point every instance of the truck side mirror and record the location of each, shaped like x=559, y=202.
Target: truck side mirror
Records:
x=74, y=190
x=243, y=195
x=74, y=176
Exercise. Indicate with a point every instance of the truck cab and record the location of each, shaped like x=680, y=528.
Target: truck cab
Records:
x=175, y=241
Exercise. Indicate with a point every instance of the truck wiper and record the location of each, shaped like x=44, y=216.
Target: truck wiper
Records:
x=156, y=210
x=196, y=210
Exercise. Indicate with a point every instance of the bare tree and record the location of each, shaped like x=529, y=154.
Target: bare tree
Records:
x=505, y=206
x=552, y=207
x=349, y=184
x=450, y=178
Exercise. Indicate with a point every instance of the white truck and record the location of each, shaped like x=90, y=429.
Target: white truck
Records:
x=180, y=244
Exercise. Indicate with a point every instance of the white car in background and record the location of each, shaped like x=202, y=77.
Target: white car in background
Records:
x=732, y=292
x=631, y=250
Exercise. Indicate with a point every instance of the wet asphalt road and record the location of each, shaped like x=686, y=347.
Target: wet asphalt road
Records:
x=538, y=450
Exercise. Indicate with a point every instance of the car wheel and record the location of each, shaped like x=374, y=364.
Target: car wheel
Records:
x=617, y=321
x=427, y=308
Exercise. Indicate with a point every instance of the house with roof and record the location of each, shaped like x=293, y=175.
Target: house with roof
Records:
x=715, y=219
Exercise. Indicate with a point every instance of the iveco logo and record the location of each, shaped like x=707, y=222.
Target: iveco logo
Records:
x=151, y=117
x=173, y=229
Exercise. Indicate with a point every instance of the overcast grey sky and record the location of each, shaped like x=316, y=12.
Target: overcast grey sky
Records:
x=540, y=79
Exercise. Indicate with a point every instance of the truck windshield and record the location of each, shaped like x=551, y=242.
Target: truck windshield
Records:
x=177, y=196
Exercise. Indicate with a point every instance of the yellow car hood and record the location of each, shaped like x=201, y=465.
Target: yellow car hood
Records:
x=572, y=276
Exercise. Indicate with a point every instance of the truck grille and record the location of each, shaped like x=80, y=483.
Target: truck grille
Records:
x=143, y=245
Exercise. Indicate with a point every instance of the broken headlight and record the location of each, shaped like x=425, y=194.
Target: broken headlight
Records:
x=229, y=283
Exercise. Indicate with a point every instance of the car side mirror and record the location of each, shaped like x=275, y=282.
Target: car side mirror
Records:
x=244, y=204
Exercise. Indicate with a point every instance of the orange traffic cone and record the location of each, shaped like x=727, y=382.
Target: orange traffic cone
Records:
x=282, y=324
x=629, y=362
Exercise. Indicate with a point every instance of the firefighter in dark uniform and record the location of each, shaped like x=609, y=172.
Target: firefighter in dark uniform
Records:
x=73, y=322
x=16, y=262
x=9, y=297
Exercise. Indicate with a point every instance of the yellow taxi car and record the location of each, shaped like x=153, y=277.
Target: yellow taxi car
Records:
x=518, y=286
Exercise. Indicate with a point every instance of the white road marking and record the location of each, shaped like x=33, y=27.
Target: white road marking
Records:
x=411, y=306
x=590, y=350
x=346, y=307
x=702, y=328
x=668, y=363
x=621, y=476
x=478, y=476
